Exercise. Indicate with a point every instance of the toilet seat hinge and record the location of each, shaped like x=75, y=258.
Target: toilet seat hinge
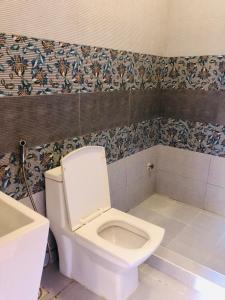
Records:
x=94, y=215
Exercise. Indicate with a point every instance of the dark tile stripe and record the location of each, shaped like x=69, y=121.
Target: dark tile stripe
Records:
x=144, y=105
x=37, y=119
x=103, y=110
x=193, y=105
x=48, y=118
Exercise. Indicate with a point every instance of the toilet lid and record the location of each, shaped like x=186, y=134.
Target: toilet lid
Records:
x=85, y=182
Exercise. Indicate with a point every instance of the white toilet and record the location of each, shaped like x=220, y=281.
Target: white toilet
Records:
x=99, y=246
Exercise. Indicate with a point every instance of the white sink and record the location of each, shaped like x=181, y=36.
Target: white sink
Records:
x=23, y=239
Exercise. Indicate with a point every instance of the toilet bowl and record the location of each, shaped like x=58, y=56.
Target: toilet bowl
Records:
x=99, y=246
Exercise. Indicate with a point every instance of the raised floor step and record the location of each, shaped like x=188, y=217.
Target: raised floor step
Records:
x=189, y=272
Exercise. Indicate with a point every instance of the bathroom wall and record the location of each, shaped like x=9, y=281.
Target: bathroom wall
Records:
x=193, y=103
x=160, y=27
x=122, y=25
x=59, y=97
x=194, y=178
x=187, y=176
x=130, y=179
x=127, y=188
x=113, y=98
x=195, y=28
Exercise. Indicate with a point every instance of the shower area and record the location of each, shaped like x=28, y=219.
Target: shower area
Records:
x=183, y=193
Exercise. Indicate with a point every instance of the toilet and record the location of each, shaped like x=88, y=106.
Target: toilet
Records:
x=99, y=246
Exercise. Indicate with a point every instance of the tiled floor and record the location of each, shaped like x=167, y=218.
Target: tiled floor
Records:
x=154, y=285
x=194, y=233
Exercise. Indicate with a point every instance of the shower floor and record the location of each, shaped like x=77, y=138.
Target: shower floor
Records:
x=190, y=233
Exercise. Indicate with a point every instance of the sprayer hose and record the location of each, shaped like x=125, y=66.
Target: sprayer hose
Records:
x=33, y=204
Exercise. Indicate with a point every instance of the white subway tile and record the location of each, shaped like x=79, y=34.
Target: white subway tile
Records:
x=136, y=164
x=117, y=174
x=183, y=162
x=139, y=190
x=181, y=188
x=215, y=199
x=217, y=171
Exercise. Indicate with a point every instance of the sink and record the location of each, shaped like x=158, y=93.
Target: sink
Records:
x=23, y=240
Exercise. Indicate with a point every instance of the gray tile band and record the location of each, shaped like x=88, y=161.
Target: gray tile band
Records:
x=37, y=119
x=47, y=118
x=144, y=105
x=193, y=105
x=103, y=110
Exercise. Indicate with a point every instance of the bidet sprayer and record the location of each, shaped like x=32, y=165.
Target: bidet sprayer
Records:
x=22, y=146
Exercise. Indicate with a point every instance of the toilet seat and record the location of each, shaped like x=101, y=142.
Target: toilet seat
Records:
x=88, y=236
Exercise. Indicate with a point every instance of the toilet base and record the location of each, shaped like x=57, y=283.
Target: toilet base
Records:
x=99, y=277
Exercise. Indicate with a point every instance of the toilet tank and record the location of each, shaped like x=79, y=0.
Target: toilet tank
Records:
x=55, y=201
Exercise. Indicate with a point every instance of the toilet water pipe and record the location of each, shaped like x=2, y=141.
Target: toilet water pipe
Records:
x=22, y=154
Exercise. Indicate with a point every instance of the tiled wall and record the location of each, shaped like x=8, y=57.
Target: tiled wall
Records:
x=193, y=72
x=119, y=142
x=104, y=97
x=193, y=103
x=195, y=29
x=127, y=188
x=195, y=136
x=112, y=24
x=131, y=181
x=113, y=93
x=194, y=178
x=31, y=66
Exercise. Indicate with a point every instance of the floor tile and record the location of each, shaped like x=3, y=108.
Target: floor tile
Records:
x=77, y=291
x=155, y=285
x=216, y=264
x=210, y=223
x=183, y=189
x=172, y=227
x=194, y=243
x=216, y=260
x=53, y=281
x=215, y=200
x=45, y=295
x=170, y=208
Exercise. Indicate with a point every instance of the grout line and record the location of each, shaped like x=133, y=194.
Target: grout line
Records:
x=176, y=236
x=129, y=108
x=65, y=287
x=79, y=123
x=216, y=185
x=207, y=182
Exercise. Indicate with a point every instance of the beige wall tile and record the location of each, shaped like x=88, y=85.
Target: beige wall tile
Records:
x=217, y=171
x=215, y=199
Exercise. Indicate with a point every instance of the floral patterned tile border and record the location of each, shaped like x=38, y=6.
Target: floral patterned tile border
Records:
x=195, y=136
x=196, y=72
x=30, y=66
x=118, y=142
